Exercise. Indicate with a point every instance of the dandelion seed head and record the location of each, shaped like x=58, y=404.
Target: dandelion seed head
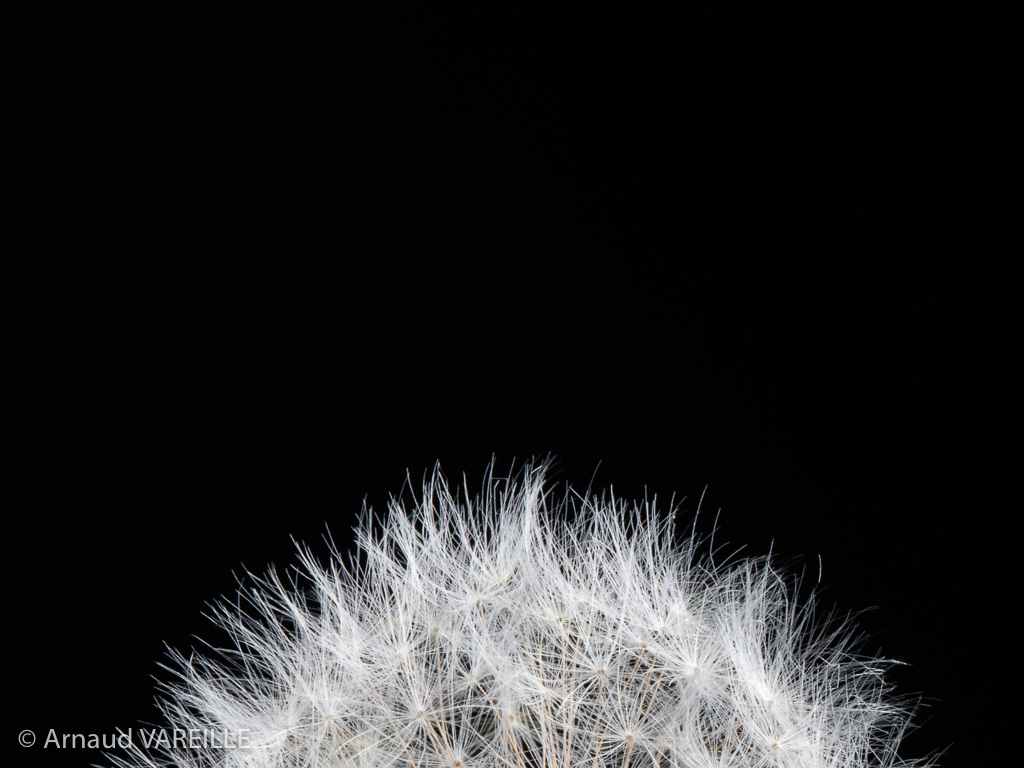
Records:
x=520, y=629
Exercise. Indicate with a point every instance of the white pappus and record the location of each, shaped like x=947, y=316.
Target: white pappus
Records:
x=516, y=630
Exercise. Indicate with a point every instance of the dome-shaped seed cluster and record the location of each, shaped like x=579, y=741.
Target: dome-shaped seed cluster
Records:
x=517, y=631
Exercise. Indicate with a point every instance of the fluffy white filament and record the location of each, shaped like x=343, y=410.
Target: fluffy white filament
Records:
x=520, y=631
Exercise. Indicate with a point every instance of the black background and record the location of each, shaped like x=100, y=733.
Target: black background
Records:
x=273, y=259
